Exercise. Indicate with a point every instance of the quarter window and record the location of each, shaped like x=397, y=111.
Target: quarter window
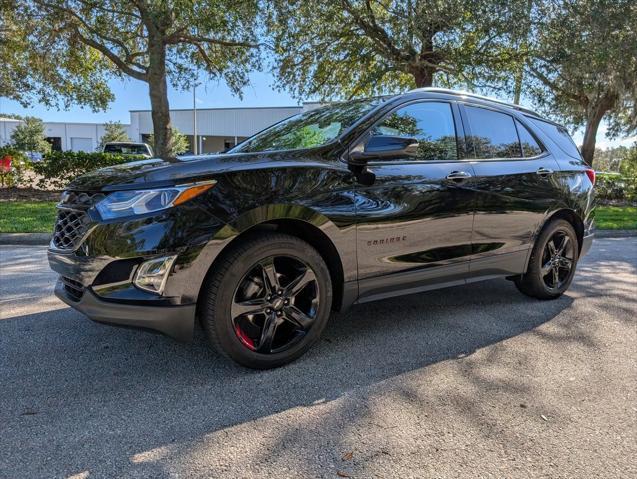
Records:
x=430, y=123
x=530, y=146
x=493, y=134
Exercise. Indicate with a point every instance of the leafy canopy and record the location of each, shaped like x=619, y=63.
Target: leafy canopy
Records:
x=40, y=66
x=348, y=48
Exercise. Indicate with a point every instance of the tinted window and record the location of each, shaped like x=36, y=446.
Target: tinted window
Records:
x=309, y=129
x=530, y=146
x=493, y=134
x=559, y=135
x=430, y=123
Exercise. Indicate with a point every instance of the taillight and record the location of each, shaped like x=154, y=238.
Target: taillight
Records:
x=591, y=175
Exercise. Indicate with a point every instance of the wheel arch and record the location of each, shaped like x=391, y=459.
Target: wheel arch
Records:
x=305, y=224
x=573, y=218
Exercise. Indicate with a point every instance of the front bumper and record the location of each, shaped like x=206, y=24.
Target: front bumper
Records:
x=174, y=321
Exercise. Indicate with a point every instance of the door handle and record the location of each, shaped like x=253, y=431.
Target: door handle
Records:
x=544, y=171
x=458, y=175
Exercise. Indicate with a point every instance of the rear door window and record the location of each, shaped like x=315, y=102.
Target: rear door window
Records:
x=530, y=146
x=559, y=135
x=493, y=134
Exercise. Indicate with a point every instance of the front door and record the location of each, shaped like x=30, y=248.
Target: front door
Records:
x=414, y=222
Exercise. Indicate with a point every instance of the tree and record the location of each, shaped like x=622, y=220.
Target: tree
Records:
x=113, y=131
x=153, y=41
x=333, y=48
x=179, y=142
x=40, y=67
x=583, y=65
x=29, y=136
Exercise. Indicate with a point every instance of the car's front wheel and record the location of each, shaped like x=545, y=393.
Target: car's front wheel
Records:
x=552, y=263
x=267, y=300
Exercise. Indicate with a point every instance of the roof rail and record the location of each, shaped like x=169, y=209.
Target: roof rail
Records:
x=472, y=95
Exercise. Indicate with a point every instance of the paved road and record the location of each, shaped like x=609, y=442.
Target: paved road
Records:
x=477, y=381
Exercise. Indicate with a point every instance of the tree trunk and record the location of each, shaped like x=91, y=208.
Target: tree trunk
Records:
x=590, y=133
x=423, y=76
x=517, y=91
x=158, y=90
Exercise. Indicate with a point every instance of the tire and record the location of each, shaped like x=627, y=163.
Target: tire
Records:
x=540, y=281
x=251, y=310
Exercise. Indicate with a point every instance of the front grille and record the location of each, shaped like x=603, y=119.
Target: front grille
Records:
x=73, y=288
x=73, y=222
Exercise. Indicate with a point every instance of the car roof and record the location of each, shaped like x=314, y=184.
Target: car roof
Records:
x=459, y=94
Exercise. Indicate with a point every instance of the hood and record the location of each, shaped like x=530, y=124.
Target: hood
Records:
x=156, y=172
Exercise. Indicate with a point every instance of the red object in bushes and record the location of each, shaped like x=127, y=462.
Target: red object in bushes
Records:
x=591, y=175
x=5, y=164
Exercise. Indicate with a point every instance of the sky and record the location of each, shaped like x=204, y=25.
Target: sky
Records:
x=132, y=94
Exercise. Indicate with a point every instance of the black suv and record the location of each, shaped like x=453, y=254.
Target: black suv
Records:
x=348, y=203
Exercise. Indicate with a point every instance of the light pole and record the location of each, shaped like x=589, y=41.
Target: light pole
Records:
x=194, y=118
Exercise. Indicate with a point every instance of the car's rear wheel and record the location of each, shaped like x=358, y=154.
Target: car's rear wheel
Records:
x=267, y=301
x=552, y=262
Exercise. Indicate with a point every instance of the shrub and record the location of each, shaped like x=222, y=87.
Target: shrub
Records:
x=615, y=187
x=57, y=168
x=20, y=164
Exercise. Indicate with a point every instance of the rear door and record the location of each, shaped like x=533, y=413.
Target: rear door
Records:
x=515, y=188
x=414, y=222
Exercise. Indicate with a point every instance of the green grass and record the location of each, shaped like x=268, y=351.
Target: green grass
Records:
x=27, y=217
x=616, y=217
x=38, y=217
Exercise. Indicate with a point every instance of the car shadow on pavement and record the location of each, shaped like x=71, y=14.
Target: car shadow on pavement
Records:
x=78, y=396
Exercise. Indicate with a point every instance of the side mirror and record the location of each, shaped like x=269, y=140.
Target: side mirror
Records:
x=380, y=147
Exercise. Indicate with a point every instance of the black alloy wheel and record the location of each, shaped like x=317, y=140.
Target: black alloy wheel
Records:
x=552, y=262
x=267, y=300
x=557, y=260
x=275, y=304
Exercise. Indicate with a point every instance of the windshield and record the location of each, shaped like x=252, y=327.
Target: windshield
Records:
x=310, y=129
x=126, y=149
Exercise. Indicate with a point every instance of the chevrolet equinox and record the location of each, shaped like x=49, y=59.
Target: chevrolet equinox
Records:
x=348, y=203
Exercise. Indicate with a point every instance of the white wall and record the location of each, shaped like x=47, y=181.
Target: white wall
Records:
x=226, y=122
x=212, y=122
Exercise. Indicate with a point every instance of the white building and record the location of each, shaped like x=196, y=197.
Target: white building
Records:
x=217, y=128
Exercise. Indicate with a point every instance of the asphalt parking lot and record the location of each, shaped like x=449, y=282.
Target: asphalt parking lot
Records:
x=476, y=381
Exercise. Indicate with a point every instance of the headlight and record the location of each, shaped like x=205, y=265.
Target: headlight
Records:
x=139, y=202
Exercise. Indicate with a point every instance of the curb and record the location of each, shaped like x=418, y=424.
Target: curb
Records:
x=23, y=239
x=615, y=233
x=43, y=239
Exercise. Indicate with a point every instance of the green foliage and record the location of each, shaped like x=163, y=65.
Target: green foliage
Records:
x=57, y=169
x=179, y=142
x=350, y=48
x=29, y=136
x=113, y=132
x=41, y=66
x=20, y=165
x=615, y=187
x=582, y=64
x=158, y=42
x=27, y=216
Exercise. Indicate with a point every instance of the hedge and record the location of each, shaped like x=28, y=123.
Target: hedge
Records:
x=614, y=187
x=19, y=165
x=58, y=168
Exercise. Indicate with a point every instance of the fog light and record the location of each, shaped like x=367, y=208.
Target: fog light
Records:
x=152, y=274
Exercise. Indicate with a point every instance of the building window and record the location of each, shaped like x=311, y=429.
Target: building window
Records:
x=56, y=142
